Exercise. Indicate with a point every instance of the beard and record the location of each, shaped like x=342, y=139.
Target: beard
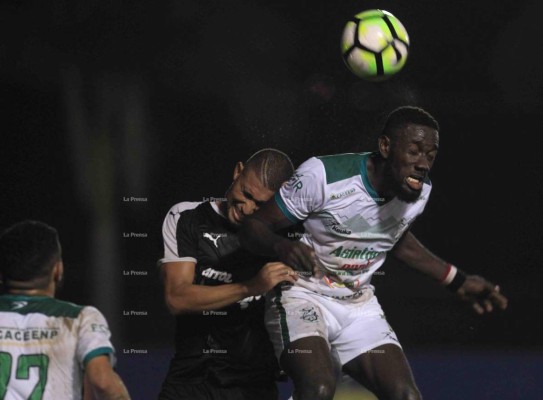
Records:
x=397, y=187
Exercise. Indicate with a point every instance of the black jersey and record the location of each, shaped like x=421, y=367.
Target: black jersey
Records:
x=230, y=345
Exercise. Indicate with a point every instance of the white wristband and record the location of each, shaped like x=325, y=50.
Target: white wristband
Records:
x=450, y=275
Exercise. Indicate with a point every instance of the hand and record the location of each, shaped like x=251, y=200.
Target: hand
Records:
x=270, y=275
x=482, y=295
x=298, y=255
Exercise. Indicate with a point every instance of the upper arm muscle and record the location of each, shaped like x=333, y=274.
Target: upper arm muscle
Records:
x=176, y=275
x=271, y=215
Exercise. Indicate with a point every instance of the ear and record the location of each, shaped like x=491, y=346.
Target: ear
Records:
x=384, y=146
x=58, y=271
x=238, y=169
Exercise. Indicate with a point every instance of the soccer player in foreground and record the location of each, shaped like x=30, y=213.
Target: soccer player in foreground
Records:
x=215, y=289
x=49, y=349
x=356, y=208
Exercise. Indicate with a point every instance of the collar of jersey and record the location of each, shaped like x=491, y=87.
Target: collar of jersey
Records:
x=366, y=180
x=216, y=208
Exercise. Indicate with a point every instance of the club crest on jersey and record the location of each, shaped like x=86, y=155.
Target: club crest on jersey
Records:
x=214, y=237
x=309, y=314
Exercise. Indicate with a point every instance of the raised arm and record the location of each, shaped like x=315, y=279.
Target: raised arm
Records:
x=480, y=293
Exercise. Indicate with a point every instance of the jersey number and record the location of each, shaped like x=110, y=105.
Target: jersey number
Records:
x=24, y=363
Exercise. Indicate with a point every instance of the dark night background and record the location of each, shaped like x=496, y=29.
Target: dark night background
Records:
x=107, y=100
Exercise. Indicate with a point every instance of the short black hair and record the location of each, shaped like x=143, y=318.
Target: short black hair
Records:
x=404, y=115
x=28, y=252
x=273, y=167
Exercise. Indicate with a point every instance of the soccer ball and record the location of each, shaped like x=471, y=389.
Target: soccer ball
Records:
x=374, y=45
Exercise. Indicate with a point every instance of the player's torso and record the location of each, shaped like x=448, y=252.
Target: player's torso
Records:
x=232, y=339
x=355, y=230
x=38, y=339
x=220, y=258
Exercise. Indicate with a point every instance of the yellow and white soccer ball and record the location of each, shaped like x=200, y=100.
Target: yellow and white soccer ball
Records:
x=374, y=45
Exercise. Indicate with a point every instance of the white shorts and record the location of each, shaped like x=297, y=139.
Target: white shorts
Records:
x=350, y=327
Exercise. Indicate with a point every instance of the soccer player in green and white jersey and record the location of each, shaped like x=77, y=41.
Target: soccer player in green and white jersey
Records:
x=49, y=349
x=356, y=208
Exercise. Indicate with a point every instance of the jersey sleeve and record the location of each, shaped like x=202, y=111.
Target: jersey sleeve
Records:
x=94, y=337
x=175, y=220
x=304, y=193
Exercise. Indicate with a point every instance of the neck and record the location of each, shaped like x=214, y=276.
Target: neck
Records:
x=49, y=291
x=375, y=167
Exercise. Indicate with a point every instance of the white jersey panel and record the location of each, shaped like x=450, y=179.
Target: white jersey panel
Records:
x=169, y=229
x=43, y=354
x=347, y=225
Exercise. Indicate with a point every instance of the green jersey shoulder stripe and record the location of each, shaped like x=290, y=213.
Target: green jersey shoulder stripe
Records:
x=48, y=306
x=342, y=166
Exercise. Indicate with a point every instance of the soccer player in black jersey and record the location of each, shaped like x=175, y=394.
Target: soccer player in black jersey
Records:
x=215, y=290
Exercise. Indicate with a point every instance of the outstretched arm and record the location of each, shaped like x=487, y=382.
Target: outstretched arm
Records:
x=480, y=293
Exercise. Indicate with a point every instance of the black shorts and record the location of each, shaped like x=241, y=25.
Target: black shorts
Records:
x=209, y=391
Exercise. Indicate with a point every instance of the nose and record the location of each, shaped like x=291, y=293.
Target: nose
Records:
x=422, y=164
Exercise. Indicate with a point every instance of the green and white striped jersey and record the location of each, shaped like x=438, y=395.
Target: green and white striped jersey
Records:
x=45, y=344
x=350, y=228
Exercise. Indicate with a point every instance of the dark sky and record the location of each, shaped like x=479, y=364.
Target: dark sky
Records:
x=104, y=100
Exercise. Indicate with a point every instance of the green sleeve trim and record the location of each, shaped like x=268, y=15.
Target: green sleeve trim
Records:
x=283, y=207
x=100, y=351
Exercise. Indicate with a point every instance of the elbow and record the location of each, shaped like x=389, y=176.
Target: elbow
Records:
x=177, y=305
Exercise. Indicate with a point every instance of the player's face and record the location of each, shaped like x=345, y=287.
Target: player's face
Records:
x=412, y=155
x=245, y=195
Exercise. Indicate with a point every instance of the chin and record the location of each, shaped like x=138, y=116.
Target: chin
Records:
x=408, y=196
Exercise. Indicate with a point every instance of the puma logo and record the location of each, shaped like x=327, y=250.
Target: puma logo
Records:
x=214, y=237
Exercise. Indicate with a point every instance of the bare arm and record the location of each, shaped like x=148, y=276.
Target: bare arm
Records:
x=481, y=294
x=101, y=382
x=258, y=235
x=182, y=296
x=410, y=251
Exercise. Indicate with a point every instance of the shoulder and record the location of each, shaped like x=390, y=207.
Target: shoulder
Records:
x=47, y=306
x=183, y=206
x=338, y=167
x=182, y=211
x=92, y=314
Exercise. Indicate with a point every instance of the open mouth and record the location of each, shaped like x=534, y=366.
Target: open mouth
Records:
x=414, y=182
